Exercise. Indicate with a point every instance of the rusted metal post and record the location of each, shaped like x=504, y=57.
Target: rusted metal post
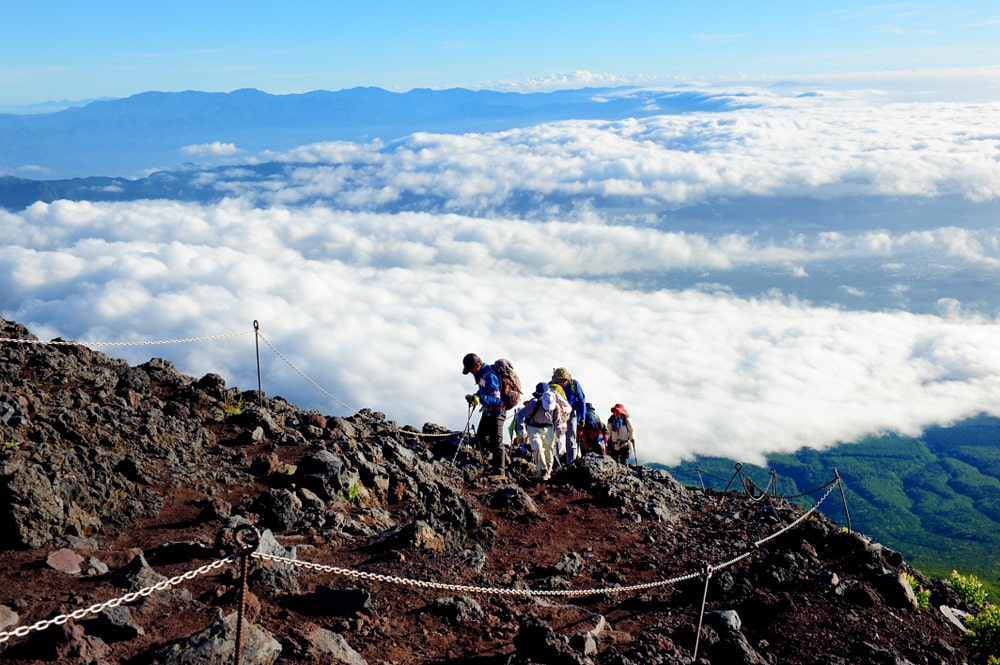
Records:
x=247, y=539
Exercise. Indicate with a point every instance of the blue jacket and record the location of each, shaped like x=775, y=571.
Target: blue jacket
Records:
x=489, y=390
x=576, y=398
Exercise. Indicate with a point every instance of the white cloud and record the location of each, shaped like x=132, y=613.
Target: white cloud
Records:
x=813, y=147
x=213, y=149
x=661, y=260
x=379, y=309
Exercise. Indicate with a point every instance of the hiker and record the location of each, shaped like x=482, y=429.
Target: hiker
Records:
x=592, y=434
x=565, y=410
x=489, y=434
x=620, y=434
x=577, y=402
x=536, y=422
x=518, y=444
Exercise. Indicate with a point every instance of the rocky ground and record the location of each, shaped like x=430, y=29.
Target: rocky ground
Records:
x=114, y=478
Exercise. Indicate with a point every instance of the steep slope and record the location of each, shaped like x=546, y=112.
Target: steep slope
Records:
x=933, y=498
x=387, y=544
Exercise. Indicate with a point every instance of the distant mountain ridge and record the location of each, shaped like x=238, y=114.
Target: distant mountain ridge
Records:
x=145, y=132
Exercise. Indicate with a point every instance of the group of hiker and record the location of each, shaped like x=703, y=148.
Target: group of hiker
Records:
x=556, y=425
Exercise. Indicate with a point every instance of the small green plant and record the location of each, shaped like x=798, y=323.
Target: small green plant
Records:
x=354, y=492
x=923, y=595
x=968, y=588
x=984, y=633
x=20, y=436
x=231, y=408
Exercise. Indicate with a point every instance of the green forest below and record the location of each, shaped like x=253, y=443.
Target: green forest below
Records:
x=935, y=499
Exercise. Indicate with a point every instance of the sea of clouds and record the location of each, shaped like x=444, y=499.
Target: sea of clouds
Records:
x=801, y=271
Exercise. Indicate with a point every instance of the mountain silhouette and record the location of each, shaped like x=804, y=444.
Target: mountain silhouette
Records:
x=132, y=136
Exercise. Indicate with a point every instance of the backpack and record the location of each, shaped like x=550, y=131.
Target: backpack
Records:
x=591, y=419
x=592, y=432
x=510, y=384
x=592, y=424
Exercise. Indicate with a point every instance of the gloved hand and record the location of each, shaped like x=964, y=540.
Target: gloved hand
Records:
x=473, y=400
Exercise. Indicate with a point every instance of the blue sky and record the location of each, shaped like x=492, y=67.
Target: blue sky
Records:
x=67, y=50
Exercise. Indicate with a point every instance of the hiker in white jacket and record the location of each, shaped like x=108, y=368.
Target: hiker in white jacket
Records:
x=537, y=422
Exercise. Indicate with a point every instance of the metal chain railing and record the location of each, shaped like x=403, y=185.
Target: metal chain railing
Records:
x=708, y=569
x=255, y=331
x=115, y=602
x=305, y=376
x=248, y=540
x=258, y=337
x=467, y=588
x=334, y=397
x=506, y=591
x=59, y=342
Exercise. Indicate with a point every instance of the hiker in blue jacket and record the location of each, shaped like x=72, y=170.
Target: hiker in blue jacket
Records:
x=577, y=401
x=489, y=434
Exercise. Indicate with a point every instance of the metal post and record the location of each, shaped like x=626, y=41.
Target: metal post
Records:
x=701, y=614
x=247, y=540
x=738, y=472
x=843, y=497
x=256, y=340
x=239, y=610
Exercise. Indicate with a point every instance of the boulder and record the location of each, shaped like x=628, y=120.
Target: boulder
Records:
x=216, y=645
x=66, y=561
x=458, y=609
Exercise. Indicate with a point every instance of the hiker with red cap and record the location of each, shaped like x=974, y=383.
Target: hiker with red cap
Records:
x=489, y=434
x=620, y=434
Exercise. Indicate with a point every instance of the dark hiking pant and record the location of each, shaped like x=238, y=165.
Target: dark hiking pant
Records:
x=490, y=436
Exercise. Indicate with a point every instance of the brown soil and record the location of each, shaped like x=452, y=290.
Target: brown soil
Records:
x=618, y=551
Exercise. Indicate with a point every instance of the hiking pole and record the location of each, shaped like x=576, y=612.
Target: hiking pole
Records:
x=465, y=434
x=635, y=454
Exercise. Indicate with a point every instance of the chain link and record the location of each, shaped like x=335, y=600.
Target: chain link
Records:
x=391, y=579
x=495, y=591
x=502, y=591
x=115, y=602
x=810, y=492
x=304, y=376
x=334, y=398
x=801, y=517
x=151, y=342
x=763, y=491
x=404, y=581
